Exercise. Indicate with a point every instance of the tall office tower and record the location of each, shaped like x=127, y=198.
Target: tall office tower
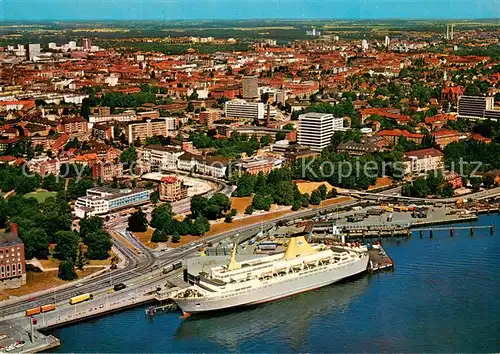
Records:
x=387, y=41
x=87, y=44
x=33, y=50
x=315, y=130
x=250, y=87
x=364, y=45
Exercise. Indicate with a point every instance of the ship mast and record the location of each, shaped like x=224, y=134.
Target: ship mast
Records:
x=233, y=265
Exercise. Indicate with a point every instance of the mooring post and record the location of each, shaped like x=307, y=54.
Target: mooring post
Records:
x=431, y=233
x=452, y=232
x=421, y=232
x=472, y=230
x=492, y=229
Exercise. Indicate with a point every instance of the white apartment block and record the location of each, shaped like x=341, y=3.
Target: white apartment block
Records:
x=244, y=110
x=316, y=130
x=147, y=129
x=160, y=157
x=102, y=200
x=205, y=165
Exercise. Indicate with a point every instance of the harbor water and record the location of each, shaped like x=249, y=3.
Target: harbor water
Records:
x=443, y=296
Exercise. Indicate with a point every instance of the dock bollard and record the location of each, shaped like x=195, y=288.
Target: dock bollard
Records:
x=472, y=230
x=431, y=233
x=452, y=232
x=421, y=232
x=492, y=229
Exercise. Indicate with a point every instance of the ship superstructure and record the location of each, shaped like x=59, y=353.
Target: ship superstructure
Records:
x=300, y=268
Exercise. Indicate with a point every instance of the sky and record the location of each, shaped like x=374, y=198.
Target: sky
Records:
x=14, y=10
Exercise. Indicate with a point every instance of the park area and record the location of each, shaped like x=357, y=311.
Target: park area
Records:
x=40, y=195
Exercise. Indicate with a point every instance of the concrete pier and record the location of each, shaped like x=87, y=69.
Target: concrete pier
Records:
x=379, y=259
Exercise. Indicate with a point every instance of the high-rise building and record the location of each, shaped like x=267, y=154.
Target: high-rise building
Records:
x=315, y=130
x=33, y=50
x=364, y=45
x=87, y=44
x=244, y=110
x=387, y=41
x=250, y=87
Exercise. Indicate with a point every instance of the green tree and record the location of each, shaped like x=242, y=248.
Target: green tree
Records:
x=262, y=202
x=36, y=243
x=176, y=237
x=245, y=185
x=51, y=183
x=315, y=197
x=280, y=136
x=66, y=245
x=129, y=156
x=265, y=140
x=159, y=236
x=200, y=226
x=435, y=180
x=137, y=222
x=81, y=259
x=90, y=225
x=161, y=216
x=67, y=270
x=98, y=245
x=322, y=190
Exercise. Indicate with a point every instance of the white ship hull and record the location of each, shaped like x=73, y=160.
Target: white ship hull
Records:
x=264, y=291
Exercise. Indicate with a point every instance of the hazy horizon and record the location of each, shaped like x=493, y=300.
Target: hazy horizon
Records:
x=118, y=10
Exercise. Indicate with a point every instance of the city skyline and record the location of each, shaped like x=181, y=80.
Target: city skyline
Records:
x=15, y=10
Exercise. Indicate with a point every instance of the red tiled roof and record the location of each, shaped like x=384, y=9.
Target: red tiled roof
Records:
x=422, y=153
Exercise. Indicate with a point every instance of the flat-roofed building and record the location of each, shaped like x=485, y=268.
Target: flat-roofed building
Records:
x=296, y=152
x=202, y=164
x=474, y=106
x=244, y=110
x=143, y=130
x=161, y=157
x=103, y=200
x=315, y=130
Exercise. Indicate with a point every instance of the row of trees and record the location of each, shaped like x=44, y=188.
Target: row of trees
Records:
x=228, y=147
x=166, y=226
x=275, y=188
x=466, y=155
x=433, y=184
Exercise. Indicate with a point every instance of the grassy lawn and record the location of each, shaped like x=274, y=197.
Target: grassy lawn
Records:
x=41, y=195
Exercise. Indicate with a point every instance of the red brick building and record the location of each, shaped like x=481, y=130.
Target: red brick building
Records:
x=12, y=262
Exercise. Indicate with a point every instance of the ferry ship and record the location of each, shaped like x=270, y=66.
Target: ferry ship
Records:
x=302, y=267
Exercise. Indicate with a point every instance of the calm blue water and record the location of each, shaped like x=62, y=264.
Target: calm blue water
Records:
x=444, y=296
